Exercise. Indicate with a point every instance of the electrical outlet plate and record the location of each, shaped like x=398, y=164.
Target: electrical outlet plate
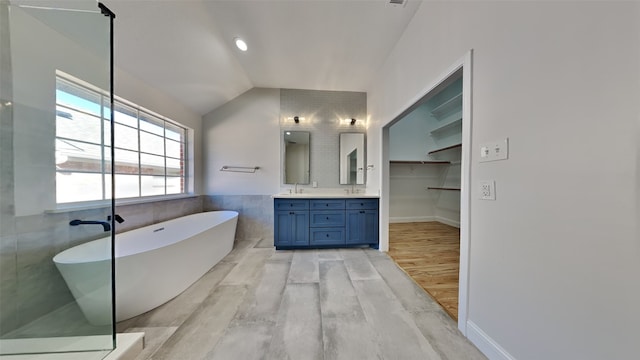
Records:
x=495, y=150
x=488, y=190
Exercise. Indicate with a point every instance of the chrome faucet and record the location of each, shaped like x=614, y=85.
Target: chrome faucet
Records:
x=296, y=188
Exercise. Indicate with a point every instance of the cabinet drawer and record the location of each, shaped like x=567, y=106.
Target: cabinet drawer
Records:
x=364, y=204
x=326, y=218
x=326, y=236
x=326, y=204
x=288, y=204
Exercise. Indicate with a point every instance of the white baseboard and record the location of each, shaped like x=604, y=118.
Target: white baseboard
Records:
x=408, y=219
x=128, y=346
x=486, y=344
x=454, y=223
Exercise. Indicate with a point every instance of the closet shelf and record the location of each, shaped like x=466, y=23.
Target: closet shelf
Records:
x=443, y=188
x=447, y=106
x=445, y=148
x=447, y=126
x=428, y=162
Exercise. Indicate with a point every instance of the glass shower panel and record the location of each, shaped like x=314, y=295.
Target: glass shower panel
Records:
x=52, y=161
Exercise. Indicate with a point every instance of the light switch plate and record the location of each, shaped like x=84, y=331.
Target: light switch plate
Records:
x=488, y=190
x=495, y=150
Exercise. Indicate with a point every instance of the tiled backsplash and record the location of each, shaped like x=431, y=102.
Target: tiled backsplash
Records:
x=322, y=112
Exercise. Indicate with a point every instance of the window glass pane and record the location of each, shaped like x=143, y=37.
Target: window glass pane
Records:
x=126, y=162
x=174, y=185
x=107, y=132
x=73, y=124
x=174, y=167
x=152, y=185
x=126, y=115
x=126, y=137
x=73, y=187
x=151, y=164
x=152, y=144
x=107, y=187
x=74, y=155
x=77, y=97
x=151, y=124
x=127, y=186
x=174, y=132
x=174, y=149
x=143, y=156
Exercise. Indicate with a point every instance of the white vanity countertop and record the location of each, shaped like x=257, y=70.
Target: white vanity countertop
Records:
x=321, y=195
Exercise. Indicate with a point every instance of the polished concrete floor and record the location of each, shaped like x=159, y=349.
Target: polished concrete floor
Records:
x=259, y=303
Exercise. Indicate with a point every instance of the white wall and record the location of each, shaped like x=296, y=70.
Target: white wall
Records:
x=409, y=138
x=243, y=132
x=555, y=259
x=409, y=200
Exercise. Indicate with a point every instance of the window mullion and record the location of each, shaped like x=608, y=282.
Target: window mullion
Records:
x=139, y=157
x=102, y=152
x=164, y=154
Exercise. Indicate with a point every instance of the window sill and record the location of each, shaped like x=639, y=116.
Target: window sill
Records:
x=149, y=199
x=119, y=202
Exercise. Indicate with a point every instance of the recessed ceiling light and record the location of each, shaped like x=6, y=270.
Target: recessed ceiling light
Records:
x=241, y=44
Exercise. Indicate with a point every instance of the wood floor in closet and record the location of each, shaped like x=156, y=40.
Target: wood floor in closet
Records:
x=429, y=252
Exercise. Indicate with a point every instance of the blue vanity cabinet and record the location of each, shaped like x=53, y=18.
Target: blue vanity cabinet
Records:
x=362, y=221
x=291, y=226
x=325, y=223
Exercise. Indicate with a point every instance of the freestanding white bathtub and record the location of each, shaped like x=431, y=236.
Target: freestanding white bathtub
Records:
x=153, y=264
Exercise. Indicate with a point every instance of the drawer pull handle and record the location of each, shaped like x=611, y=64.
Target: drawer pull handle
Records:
x=361, y=211
x=327, y=235
x=291, y=213
x=327, y=218
x=361, y=204
x=326, y=204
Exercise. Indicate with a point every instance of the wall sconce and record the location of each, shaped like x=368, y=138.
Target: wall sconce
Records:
x=351, y=121
x=296, y=119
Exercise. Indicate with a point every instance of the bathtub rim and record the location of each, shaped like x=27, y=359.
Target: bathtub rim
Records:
x=59, y=258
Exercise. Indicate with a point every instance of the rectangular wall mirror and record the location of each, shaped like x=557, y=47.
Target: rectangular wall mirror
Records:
x=352, y=158
x=296, y=157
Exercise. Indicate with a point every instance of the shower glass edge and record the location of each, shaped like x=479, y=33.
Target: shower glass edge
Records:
x=39, y=43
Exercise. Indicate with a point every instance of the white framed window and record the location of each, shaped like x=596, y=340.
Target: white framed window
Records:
x=150, y=150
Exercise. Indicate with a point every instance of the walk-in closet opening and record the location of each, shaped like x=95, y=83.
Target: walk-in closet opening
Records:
x=427, y=151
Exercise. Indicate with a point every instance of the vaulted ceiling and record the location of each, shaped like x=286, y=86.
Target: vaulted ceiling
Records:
x=186, y=47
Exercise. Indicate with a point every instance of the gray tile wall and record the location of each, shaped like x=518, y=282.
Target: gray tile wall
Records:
x=256, y=215
x=31, y=285
x=139, y=215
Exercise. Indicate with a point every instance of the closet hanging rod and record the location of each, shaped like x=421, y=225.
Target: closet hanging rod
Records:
x=242, y=169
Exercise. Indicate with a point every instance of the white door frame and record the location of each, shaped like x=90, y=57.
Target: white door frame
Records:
x=464, y=63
